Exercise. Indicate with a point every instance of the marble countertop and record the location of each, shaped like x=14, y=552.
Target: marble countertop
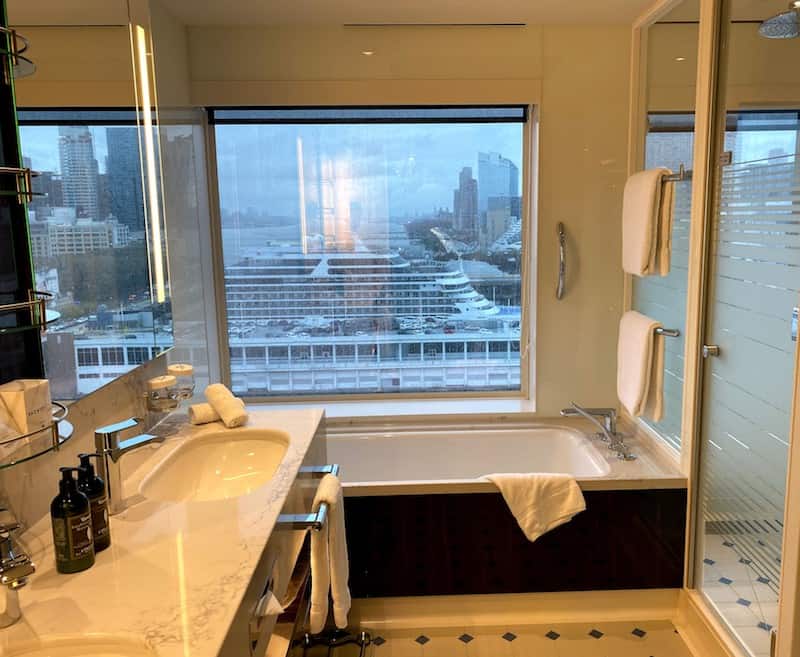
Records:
x=175, y=573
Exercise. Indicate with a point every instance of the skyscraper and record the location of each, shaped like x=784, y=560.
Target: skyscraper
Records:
x=465, y=203
x=497, y=177
x=78, y=170
x=124, y=177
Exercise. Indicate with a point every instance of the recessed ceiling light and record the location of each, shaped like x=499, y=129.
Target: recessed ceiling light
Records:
x=368, y=53
x=680, y=59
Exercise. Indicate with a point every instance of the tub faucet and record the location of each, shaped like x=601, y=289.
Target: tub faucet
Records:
x=112, y=449
x=15, y=568
x=608, y=427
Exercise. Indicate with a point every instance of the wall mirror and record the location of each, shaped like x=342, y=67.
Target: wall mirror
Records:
x=88, y=126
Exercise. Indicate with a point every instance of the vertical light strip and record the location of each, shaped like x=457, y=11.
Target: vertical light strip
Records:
x=182, y=593
x=301, y=186
x=150, y=165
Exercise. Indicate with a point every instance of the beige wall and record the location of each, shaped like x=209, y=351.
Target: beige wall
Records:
x=78, y=66
x=578, y=77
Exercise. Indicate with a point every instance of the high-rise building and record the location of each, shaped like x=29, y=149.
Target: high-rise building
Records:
x=123, y=168
x=465, y=203
x=79, y=170
x=497, y=177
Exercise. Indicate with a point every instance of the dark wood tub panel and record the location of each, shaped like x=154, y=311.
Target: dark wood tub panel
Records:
x=470, y=543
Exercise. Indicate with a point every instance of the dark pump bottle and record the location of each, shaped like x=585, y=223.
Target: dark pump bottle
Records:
x=72, y=526
x=95, y=489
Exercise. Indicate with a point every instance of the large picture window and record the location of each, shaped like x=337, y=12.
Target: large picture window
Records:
x=88, y=240
x=372, y=250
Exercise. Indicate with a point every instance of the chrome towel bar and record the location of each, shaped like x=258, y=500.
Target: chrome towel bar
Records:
x=315, y=521
x=668, y=333
x=682, y=174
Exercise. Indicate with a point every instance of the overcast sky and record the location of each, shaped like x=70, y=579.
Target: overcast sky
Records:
x=417, y=165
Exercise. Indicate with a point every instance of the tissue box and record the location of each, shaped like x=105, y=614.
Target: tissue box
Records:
x=27, y=402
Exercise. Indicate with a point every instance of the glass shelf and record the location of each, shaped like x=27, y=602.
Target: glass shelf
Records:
x=26, y=447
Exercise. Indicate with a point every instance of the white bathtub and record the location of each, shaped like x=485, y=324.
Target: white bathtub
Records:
x=444, y=461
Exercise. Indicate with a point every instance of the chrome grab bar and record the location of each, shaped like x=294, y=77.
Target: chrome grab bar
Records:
x=562, y=261
x=668, y=333
x=314, y=521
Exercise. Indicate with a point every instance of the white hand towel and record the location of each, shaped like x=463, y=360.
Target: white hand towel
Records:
x=640, y=366
x=330, y=568
x=540, y=502
x=205, y=413
x=231, y=411
x=647, y=209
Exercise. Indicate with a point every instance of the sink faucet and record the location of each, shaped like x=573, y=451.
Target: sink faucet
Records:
x=15, y=568
x=112, y=449
x=608, y=427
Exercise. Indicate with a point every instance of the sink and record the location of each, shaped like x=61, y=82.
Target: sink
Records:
x=217, y=465
x=82, y=646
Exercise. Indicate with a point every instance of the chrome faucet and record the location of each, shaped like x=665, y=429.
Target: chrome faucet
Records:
x=112, y=449
x=608, y=427
x=15, y=568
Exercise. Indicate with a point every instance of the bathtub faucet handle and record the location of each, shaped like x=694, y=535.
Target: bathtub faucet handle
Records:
x=609, y=416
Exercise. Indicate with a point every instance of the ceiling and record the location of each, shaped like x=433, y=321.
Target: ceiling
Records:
x=336, y=12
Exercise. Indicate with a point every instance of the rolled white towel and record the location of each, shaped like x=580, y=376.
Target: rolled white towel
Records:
x=205, y=413
x=231, y=410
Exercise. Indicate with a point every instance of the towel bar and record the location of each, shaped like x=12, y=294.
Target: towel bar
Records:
x=315, y=521
x=668, y=333
x=682, y=174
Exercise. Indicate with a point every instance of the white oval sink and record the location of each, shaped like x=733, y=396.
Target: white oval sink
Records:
x=217, y=466
x=82, y=646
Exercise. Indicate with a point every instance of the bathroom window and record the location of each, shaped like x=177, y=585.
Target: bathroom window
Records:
x=88, y=240
x=364, y=247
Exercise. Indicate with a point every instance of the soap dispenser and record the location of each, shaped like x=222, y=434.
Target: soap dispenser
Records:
x=95, y=489
x=71, y=516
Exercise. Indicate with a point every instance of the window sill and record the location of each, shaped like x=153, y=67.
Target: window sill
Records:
x=366, y=411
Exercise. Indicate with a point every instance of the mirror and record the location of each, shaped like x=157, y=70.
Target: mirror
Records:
x=88, y=126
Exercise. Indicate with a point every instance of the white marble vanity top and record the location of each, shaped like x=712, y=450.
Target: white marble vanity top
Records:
x=175, y=572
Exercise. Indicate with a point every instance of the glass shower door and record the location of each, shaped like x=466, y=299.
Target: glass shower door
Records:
x=749, y=371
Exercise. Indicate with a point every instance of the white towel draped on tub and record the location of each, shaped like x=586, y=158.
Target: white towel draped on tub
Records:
x=640, y=366
x=330, y=568
x=540, y=502
x=647, y=209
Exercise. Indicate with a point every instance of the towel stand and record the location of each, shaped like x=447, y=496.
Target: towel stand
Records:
x=315, y=521
x=668, y=333
x=682, y=174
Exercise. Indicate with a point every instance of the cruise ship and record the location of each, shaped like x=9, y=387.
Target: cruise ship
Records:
x=361, y=322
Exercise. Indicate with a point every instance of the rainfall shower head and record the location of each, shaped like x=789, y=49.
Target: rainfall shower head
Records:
x=785, y=25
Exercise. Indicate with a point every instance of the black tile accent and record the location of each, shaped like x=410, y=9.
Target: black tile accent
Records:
x=552, y=635
x=422, y=639
x=379, y=641
x=637, y=632
x=765, y=626
x=595, y=634
x=762, y=580
x=509, y=636
x=466, y=638
x=725, y=580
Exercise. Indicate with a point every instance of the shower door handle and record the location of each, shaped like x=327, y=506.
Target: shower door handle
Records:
x=710, y=350
x=562, y=261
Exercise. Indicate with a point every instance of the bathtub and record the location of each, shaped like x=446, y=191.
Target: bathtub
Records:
x=422, y=521
x=411, y=461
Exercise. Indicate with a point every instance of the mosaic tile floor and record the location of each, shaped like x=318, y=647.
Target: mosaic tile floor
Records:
x=745, y=597
x=619, y=639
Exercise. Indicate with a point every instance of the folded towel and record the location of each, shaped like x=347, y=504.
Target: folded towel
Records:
x=647, y=209
x=205, y=413
x=330, y=568
x=640, y=366
x=540, y=502
x=231, y=410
